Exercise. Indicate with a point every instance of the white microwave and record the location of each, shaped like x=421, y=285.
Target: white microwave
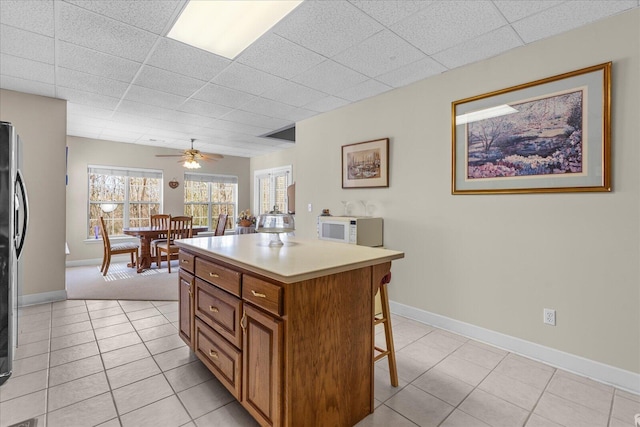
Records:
x=360, y=230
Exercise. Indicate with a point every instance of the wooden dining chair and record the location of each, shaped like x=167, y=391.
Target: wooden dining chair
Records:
x=180, y=227
x=160, y=221
x=221, y=225
x=120, y=248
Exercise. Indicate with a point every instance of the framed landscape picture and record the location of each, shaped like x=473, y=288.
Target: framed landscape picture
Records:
x=550, y=135
x=366, y=164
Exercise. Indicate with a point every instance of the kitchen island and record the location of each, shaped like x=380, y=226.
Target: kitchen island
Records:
x=287, y=330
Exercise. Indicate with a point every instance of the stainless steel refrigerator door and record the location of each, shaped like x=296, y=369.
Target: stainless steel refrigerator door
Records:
x=7, y=248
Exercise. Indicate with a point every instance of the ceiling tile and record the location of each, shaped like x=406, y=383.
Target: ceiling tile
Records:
x=330, y=77
x=31, y=15
x=221, y=95
x=327, y=103
x=89, y=83
x=183, y=59
x=27, y=86
x=27, y=69
x=87, y=121
x=327, y=27
x=86, y=98
x=364, y=90
x=238, y=127
x=166, y=81
x=150, y=15
x=445, y=24
x=389, y=12
x=253, y=119
x=483, y=47
x=293, y=94
x=515, y=10
x=566, y=17
x=139, y=109
x=77, y=110
x=412, y=73
x=268, y=107
x=204, y=108
x=97, y=63
x=25, y=44
x=84, y=28
x=83, y=131
x=145, y=95
x=276, y=55
x=379, y=54
x=246, y=79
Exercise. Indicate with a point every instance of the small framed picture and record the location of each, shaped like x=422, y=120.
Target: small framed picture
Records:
x=366, y=164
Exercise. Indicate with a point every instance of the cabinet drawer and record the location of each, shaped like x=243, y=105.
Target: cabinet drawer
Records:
x=186, y=261
x=263, y=294
x=220, y=310
x=222, y=359
x=227, y=279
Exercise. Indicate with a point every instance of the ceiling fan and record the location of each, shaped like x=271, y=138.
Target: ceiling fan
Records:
x=191, y=156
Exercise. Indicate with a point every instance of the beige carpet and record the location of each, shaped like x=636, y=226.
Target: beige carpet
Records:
x=122, y=283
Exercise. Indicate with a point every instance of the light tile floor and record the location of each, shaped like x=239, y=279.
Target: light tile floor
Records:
x=121, y=363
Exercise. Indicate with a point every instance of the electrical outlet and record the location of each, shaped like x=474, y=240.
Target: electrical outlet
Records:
x=549, y=316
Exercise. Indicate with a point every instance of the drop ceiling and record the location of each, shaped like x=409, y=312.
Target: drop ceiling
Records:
x=125, y=81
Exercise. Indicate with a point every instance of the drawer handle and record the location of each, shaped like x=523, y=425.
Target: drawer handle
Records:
x=213, y=309
x=216, y=275
x=258, y=294
x=213, y=354
x=185, y=261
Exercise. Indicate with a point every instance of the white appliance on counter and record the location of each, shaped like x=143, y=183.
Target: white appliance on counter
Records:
x=356, y=230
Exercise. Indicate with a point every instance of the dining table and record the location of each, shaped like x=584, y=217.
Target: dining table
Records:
x=146, y=236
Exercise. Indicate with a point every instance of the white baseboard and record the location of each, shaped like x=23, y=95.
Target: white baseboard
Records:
x=620, y=378
x=41, y=298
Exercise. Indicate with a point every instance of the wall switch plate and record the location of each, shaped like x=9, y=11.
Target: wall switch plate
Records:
x=549, y=316
x=310, y=207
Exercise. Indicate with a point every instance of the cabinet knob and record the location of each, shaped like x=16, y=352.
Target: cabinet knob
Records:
x=213, y=309
x=216, y=275
x=258, y=294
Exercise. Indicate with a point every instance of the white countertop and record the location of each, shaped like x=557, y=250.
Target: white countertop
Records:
x=299, y=259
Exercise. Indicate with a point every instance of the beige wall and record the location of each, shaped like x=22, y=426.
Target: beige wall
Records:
x=495, y=261
x=84, y=152
x=41, y=123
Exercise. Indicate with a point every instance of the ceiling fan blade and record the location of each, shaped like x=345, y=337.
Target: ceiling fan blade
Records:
x=169, y=155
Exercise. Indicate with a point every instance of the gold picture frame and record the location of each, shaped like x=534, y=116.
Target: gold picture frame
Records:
x=548, y=136
x=366, y=164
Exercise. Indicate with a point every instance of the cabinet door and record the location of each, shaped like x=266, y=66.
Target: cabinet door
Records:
x=262, y=366
x=185, y=295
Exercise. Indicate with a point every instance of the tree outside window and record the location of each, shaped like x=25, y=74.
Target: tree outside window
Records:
x=206, y=196
x=123, y=197
x=271, y=189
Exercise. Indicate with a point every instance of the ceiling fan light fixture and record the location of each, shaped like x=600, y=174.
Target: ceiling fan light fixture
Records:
x=191, y=164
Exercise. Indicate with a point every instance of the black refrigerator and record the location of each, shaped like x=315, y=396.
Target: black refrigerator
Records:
x=13, y=228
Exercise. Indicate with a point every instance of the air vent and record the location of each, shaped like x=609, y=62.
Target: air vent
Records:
x=286, y=134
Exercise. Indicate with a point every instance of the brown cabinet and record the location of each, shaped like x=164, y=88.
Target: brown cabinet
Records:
x=185, y=297
x=262, y=366
x=293, y=354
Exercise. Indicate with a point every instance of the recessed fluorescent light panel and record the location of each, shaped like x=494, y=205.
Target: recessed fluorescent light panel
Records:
x=228, y=27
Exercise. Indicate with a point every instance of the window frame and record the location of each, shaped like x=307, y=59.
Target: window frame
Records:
x=210, y=179
x=272, y=174
x=128, y=173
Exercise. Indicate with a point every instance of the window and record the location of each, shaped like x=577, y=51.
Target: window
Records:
x=124, y=197
x=271, y=189
x=207, y=196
